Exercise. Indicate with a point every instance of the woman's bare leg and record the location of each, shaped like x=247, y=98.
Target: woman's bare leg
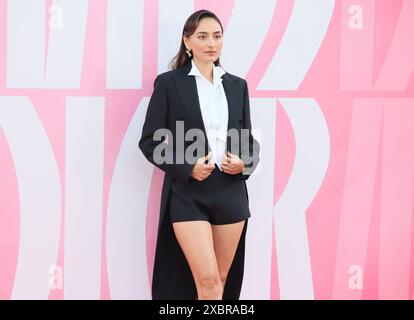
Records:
x=226, y=239
x=196, y=241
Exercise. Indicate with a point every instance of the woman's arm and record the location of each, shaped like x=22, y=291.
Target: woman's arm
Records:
x=157, y=118
x=249, y=152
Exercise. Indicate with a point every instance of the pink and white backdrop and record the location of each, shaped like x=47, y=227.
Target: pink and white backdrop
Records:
x=332, y=98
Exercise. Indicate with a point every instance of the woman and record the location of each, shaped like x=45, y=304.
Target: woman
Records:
x=204, y=202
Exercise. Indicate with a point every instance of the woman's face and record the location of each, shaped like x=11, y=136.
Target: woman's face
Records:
x=207, y=37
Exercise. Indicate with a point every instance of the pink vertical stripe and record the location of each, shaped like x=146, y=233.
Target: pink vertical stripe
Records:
x=396, y=199
x=9, y=220
x=399, y=64
x=357, y=46
x=357, y=199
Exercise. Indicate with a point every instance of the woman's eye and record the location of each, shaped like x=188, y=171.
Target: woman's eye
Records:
x=202, y=37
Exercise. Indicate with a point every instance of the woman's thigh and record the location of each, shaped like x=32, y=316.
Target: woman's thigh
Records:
x=196, y=240
x=226, y=238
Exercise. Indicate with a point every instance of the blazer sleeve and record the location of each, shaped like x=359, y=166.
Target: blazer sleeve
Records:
x=157, y=118
x=252, y=148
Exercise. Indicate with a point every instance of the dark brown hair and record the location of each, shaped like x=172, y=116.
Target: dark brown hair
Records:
x=190, y=26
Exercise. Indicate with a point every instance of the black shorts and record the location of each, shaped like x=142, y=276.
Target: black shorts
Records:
x=219, y=199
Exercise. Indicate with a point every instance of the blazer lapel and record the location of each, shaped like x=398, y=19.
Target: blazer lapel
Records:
x=187, y=88
x=232, y=92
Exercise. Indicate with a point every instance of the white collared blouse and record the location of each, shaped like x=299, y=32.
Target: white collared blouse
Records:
x=214, y=109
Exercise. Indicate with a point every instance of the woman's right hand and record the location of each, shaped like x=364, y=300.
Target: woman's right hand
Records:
x=201, y=170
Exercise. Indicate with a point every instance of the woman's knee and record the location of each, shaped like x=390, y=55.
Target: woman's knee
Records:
x=210, y=284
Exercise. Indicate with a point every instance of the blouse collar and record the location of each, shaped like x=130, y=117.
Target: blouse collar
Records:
x=217, y=72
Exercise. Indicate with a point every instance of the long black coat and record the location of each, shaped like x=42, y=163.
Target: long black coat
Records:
x=175, y=98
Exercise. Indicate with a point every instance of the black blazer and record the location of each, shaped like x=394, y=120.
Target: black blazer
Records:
x=175, y=98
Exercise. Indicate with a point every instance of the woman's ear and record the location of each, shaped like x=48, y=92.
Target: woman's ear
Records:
x=187, y=43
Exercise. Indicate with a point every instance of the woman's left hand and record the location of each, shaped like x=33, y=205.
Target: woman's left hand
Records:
x=232, y=164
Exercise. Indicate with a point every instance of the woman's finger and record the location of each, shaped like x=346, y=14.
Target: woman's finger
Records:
x=227, y=159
